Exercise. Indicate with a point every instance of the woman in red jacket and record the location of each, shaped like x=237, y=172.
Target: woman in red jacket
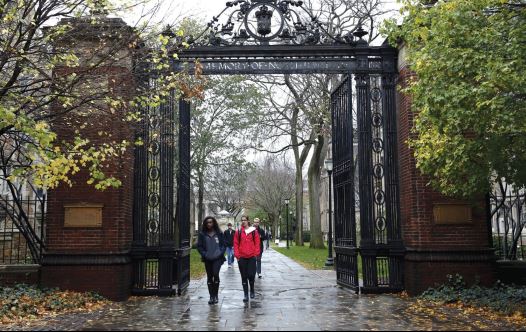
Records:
x=246, y=250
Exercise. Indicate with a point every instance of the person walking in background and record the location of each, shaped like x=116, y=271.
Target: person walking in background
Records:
x=246, y=249
x=263, y=237
x=211, y=246
x=229, y=243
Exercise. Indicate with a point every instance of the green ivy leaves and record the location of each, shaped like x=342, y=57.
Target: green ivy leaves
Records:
x=470, y=93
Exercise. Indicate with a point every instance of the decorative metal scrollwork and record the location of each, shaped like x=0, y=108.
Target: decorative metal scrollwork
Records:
x=154, y=173
x=378, y=145
x=153, y=226
x=253, y=22
x=381, y=224
x=378, y=170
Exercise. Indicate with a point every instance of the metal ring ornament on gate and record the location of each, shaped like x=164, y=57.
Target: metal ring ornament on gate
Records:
x=153, y=226
x=379, y=197
x=155, y=147
x=377, y=120
x=380, y=224
x=378, y=171
x=153, y=200
x=378, y=145
x=376, y=95
x=154, y=173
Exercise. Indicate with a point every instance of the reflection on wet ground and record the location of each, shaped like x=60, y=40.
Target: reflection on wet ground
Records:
x=288, y=297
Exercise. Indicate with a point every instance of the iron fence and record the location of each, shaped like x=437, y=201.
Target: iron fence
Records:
x=508, y=221
x=21, y=230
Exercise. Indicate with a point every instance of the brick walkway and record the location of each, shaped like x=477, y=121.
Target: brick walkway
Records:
x=289, y=297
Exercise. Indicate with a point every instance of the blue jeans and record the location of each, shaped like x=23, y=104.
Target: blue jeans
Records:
x=258, y=263
x=230, y=255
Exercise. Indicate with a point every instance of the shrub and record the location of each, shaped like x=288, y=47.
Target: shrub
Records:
x=502, y=298
x=22, y=301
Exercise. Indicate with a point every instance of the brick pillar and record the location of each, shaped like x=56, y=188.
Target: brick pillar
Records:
x=81, y=254
x=439, y=237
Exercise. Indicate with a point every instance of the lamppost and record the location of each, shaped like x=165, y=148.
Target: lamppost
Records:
x=293, y=225
x=328, y=167
x=287, y=201
x=279, y=229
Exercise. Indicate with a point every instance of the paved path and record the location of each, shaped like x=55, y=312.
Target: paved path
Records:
x=289, y=297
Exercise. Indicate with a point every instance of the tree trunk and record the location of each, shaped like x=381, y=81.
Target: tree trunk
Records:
x=314, y=178
x=274, y=225
x=299, y=205
x=300, y=161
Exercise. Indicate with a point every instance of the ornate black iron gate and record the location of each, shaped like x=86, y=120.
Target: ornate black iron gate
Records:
x=161, y=234
x=364, y=153
x=373, y=162
x=346, y=246
x=282, y=37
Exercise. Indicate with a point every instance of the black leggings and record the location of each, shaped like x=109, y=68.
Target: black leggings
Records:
x=212, y=271
x=247, y=267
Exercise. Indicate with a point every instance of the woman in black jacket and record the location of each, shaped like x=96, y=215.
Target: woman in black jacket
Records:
x=211, y=246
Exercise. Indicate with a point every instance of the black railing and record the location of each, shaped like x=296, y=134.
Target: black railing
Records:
x=508, y=221
x=21, y=230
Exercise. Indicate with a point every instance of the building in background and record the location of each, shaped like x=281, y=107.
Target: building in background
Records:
x=29, y=208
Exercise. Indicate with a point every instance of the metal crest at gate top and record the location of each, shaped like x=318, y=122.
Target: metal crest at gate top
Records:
x=271, y=22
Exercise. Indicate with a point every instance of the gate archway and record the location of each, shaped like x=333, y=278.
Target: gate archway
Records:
x=281, y=37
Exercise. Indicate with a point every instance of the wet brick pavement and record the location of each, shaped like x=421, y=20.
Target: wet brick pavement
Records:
x=289, y=297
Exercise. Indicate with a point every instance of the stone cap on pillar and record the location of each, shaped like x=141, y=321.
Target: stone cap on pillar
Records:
x=95, y=26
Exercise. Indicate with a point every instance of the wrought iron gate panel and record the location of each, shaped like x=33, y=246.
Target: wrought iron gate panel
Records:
x=365, y=165
x=381, y=246
x=153, y=247
x=344, y=199
x=392, y=197
x=182, y=261
x=167, y=192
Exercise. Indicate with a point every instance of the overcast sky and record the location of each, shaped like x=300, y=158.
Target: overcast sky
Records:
x=173, y=10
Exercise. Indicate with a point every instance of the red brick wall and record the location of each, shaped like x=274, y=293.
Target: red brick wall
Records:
x=116, y=231
x=111, y=281
x=419, y=276
x=110, y=277
x=459, y=245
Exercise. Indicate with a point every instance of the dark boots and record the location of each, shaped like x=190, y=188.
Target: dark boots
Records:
x=216, y=292
x=245, y=290
x=211, y=291
x=252, y=291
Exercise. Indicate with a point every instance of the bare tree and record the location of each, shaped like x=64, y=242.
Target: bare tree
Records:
x=286, y=118
x=271, y=183
x=219, y=126
x=227, y=186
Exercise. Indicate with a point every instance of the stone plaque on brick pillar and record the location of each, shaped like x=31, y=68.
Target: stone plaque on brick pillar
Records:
x=441, y=235
x=83, y=215
x=89, y=231
x=452, y=213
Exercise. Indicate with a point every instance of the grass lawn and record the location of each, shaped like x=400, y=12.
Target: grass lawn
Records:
x=312, y=259
x=197, y=268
